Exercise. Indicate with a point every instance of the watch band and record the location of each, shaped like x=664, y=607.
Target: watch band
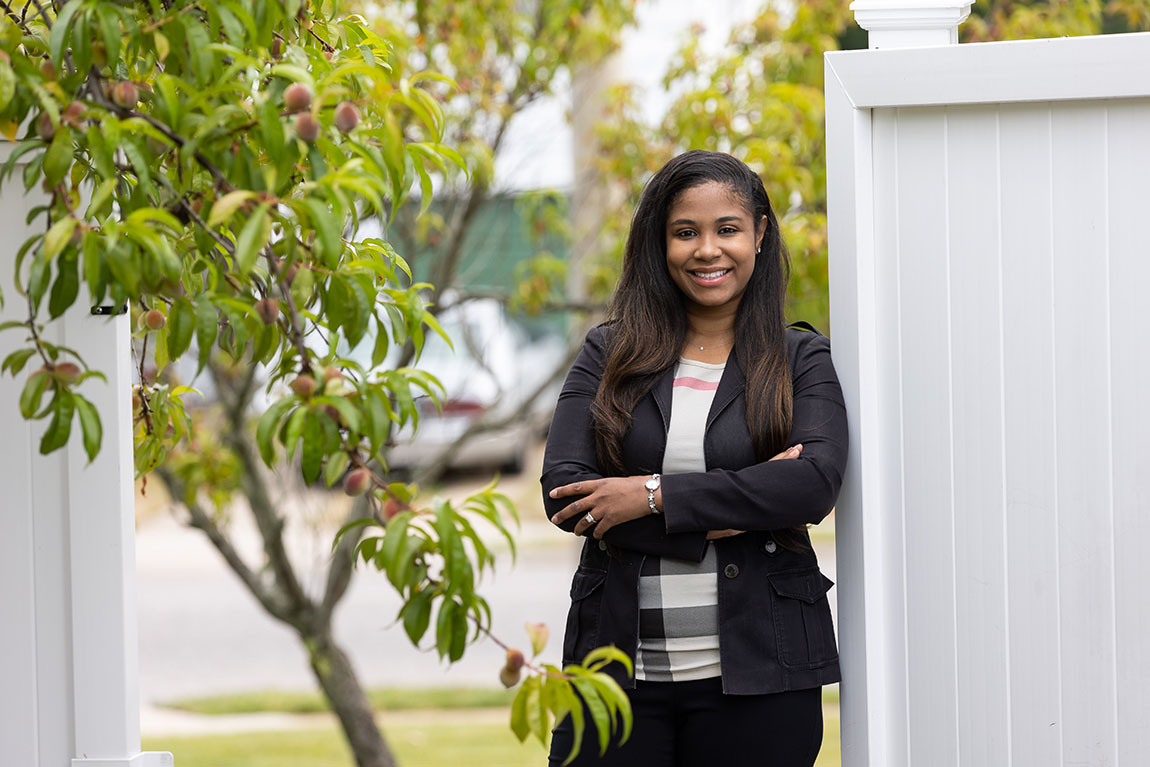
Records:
x=652, y=485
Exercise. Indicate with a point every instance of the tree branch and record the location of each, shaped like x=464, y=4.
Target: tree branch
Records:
x=342, y=565
x=266, y=594
x=269, y=523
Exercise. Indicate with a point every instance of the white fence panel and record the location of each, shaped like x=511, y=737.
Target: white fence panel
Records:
x=988, y=311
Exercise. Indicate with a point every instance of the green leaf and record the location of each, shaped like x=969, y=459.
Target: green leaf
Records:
x=110, y=31
x=334, y=467
x=600, y=716
x=328, y=231
x=537, y=718
x=417, y=615
x=7, y=85
x=33, y=392
x=616, y=700
x=140, y=163
x=163, y=46
x=15, y=361
x=352, y=525
x=292, y=72
x=224, y=207
x=272, y=128
x=58, y=236
x=266, y=429
x=66, y=287
x=380, y=422
x=90, y=426
x=458, y=643
x=565, y=692
x=161, y=353
x=58, y=158
x=58, y=38
x=103, y=156
x=443, y=627
x=311, y=457
x=392, y=544
x=347, y=411
x=56, y=436
x=538, y=634
x=181, y=324
x=519, y=724
x=99, y=197
x=292, y=429
x=382, y=343
x=207, y=325
x=252, y=238
x=601, y=656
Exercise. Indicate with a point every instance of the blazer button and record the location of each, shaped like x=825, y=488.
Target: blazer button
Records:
x=731, y=571
x=770, y=547
x=602, y=545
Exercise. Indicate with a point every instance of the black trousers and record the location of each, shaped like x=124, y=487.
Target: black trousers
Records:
x=693, y=724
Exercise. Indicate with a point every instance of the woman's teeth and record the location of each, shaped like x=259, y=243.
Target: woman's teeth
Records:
x=710, y=275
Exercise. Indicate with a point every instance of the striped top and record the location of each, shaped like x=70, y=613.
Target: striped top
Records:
x=678, y=599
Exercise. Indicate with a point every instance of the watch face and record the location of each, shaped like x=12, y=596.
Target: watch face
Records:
x=651, y=484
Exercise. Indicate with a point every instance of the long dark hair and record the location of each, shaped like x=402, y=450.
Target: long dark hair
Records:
x=649, y=320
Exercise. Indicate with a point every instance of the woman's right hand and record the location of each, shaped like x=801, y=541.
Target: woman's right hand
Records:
x=790, y=453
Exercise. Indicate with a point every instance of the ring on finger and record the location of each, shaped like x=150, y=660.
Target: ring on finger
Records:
x=590, y=519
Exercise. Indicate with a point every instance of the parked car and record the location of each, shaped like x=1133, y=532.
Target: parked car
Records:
x=491, y=374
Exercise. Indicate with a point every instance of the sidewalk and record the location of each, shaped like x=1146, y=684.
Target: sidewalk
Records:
x=166, y=722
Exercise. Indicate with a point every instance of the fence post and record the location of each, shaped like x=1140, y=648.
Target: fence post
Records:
x=68, y=652
x=910, y=23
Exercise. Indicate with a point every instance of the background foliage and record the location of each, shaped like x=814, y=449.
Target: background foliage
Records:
x=207, y=165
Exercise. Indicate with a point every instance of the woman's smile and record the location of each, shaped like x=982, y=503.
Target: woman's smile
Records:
x=710, y=277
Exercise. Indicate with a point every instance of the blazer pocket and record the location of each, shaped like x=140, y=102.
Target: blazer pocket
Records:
x=803, y=627
x=583, y=618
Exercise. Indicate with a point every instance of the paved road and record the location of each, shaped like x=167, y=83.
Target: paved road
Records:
x=202, y=633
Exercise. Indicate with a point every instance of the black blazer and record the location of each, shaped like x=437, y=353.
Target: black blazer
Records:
x=775, y=630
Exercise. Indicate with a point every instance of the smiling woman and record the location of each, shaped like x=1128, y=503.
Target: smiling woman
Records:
x=695, y=438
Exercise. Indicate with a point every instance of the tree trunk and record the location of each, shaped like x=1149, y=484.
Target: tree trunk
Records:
x=348, y=700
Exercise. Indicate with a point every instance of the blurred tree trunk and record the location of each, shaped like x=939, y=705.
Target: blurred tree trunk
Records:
x=341, y=687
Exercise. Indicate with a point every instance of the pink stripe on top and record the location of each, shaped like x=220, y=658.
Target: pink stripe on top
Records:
x=696, y=383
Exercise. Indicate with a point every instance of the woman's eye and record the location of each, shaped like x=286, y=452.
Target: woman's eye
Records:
x=728, y=230
x=685, y=233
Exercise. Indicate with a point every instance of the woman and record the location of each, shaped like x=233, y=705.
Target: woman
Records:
x=695, y=438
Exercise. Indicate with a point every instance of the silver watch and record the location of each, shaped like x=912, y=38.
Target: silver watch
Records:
x=652, y=485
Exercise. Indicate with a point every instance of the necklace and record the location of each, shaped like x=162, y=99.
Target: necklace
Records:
x=712, y=346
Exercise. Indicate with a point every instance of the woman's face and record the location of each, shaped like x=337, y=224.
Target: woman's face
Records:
x=711, y=244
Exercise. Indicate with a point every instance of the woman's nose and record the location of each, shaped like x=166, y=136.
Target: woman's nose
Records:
x=708, y=247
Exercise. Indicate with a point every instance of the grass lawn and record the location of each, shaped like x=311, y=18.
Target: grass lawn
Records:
x=438, y=744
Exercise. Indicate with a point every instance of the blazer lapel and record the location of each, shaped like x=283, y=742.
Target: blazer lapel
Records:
x=662, y=394
x=731, y=385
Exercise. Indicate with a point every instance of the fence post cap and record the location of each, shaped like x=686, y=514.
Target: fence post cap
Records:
x=910, y=23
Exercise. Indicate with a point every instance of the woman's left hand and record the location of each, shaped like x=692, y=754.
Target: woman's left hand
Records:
x=610, y=501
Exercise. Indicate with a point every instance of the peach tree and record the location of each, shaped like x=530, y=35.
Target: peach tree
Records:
x=207, y=164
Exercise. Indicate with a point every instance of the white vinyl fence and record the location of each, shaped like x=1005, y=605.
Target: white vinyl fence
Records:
x=990, y=315
x=68, y=653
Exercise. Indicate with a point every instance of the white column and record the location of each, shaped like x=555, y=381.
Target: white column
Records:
x=910, y=23
x=68, y=649
x=105, y=648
